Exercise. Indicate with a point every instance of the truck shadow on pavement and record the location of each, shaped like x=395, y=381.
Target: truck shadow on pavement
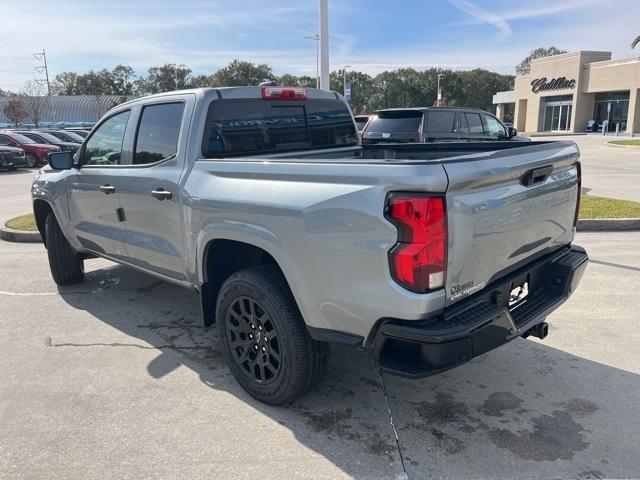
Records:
x=523, y=411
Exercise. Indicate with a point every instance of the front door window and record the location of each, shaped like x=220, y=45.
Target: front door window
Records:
x=105, y=145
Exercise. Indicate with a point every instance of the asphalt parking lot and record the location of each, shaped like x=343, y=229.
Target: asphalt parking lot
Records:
x=116, y=378
x=607, y=171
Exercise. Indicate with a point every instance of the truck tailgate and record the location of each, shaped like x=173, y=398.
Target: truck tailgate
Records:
x=505, y=208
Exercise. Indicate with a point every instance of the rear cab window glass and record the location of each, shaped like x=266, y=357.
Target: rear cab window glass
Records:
x=237, y=127
x=158, y=132
x=395, y=122
x=441, y=122
x=475, y=123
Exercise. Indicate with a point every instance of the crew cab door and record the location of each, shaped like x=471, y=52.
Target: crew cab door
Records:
x=149, y=188
x=94, y=204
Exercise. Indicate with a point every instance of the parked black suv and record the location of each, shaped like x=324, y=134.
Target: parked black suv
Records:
x=435, y=124
x=12, y=158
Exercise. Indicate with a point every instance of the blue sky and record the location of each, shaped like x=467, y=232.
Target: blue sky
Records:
x=370, y=35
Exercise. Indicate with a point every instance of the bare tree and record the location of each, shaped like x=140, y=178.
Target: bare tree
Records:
x=35, y=101
x=15, y=111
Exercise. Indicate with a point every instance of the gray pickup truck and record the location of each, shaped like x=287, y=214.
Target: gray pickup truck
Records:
x=264, y=202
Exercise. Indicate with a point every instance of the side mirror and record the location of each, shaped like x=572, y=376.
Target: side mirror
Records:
x=60, y=160
x=512, y=132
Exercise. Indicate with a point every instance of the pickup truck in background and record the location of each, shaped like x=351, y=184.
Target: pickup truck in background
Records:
x=294, y=235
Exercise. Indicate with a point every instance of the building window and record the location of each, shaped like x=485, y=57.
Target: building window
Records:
x=612, y=107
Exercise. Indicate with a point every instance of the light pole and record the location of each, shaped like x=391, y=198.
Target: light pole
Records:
x=440, y=75
x=344, y=80
x=324, y=44
x=317, y=40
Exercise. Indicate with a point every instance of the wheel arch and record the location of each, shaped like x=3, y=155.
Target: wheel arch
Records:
x=221, y=258
x=41, y=209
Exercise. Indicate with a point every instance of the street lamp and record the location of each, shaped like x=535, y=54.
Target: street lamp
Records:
x=440, y=75
x=324, y=45
x=344, y=79
x=317, y=40
x=344, y=73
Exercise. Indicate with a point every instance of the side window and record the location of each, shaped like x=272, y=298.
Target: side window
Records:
x=493, y=127
x=461, y=123
x=158, y=133
x=440, y=122
x=475, y=123
x=4, y=140
x=105, y=145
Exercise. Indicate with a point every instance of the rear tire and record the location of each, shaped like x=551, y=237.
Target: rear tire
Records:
x=32, y=161
x=264, y=339
x=67, y=267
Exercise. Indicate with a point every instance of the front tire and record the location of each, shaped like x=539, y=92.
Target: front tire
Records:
x=67, y=267
x=264, y=339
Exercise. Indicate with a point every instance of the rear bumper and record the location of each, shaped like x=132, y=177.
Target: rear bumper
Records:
x=481, y=322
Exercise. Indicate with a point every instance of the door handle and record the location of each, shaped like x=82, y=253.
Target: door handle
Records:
x=161, y=194
x=108, y=189
x=536, y=175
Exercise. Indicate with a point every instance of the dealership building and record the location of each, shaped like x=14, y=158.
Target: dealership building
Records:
x=573, y=92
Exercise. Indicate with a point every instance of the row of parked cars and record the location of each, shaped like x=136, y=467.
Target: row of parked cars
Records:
x=433, y=124
x=29, y=148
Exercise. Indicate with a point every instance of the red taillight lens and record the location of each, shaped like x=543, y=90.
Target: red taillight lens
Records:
x=284, y=93
x=418, y=261
x=575, y=220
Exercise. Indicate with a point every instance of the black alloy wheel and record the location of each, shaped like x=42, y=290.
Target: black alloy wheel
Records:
x=264, y=339
x=253, y=340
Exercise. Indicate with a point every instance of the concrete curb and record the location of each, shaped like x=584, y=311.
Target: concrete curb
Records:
x=609, y=144
x=18, y=236
x=609, y=225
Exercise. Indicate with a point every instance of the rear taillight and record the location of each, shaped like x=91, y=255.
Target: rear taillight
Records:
x=577, y=216
x=418, y=261
x=284, y=93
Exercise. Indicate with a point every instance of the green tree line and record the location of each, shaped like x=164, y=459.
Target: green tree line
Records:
x=404, y=87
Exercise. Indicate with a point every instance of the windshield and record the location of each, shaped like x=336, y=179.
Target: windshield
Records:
x=21, y=138
x=400, y=122
x=62, y=136
x=74, y=136
x=251, y=127
x=361, y=122
x=44, y=136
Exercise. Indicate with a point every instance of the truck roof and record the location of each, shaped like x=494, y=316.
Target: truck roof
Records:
x=239, y=93
x=424, y=109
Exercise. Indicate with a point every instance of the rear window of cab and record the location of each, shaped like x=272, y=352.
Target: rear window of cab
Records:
x=239, y=127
